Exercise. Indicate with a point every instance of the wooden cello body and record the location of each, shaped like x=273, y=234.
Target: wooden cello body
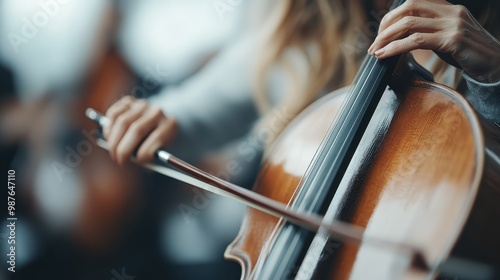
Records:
x=426, y=172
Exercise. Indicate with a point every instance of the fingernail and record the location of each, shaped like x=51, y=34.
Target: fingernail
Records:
x=379, y=52
x=370, y=49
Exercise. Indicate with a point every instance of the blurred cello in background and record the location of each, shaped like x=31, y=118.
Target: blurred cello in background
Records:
x=111, y=192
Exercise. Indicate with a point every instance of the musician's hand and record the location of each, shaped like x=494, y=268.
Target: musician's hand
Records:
x=449, y=30
x=135, y=125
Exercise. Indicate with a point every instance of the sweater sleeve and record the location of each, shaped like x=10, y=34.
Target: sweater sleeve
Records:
x=484, y=97
x=215, y=106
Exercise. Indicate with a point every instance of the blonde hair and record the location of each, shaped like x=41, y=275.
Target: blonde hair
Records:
x=331, y=29
x=324, y=33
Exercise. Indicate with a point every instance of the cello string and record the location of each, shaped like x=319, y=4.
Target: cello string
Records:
x=200, y=179
x=316, y=179
x=339, y=123
x=331, y=152
x=346, y=110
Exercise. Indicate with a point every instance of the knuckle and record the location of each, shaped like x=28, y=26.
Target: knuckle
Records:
x=120, y=158
x=122, y=152
x=156, y=112
x=411, y=6
x=418, y=38
x=141, y=103
x=384, y=20
x=409, y=23
x=111, y=114
x=148, y=154
x=461, y=11
x=137, y=129
x=113, y=110
x=155, y=145
x=387, y=18
x=166, y=127
x=123, y=121
x=119, y=151
x=141, y=156
x=457, y=36
x=459, y=23
x=160, y=140
x=127, y=98
x=112, y=144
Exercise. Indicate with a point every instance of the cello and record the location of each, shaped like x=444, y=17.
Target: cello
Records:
x=412, y=164
x=425, y=172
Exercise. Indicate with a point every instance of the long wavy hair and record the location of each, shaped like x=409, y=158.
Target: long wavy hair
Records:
x=332, y=36
x=325, y=34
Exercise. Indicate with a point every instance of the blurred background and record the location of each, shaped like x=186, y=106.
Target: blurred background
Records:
x=79, y=215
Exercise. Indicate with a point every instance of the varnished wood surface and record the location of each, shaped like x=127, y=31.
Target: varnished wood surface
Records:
x=419, y=189
x=279, y=179
x=110, y=193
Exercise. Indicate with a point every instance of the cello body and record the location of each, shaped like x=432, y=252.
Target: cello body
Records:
x=426, y=172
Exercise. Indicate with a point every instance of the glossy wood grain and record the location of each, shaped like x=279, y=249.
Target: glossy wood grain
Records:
x=420, y=186
x=279, y=179
x=430, y=182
